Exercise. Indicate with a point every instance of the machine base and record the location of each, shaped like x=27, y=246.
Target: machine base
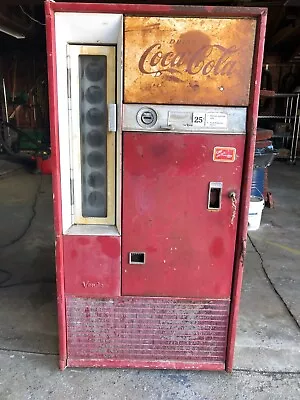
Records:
x=146, y=364
x=147, y=332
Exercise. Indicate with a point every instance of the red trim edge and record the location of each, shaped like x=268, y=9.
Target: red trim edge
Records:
x=158, y=9
x=245, y=194
x=53, y=115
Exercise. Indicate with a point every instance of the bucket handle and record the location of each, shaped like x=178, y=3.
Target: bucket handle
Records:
x=254, y=187
x=262, y=196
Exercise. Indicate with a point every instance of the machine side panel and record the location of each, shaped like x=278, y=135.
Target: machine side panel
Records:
x=246, y=188
x=205, y=61
x=188, y=249
x=92, y=265
x=56, y=182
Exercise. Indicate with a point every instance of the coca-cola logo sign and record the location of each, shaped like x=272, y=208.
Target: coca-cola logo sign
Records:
x=188, y=60
x=206, y=60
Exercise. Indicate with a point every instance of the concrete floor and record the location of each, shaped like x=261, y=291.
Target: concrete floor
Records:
x=267, y=361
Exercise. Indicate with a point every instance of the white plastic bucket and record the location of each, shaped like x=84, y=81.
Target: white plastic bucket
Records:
x=255, y=211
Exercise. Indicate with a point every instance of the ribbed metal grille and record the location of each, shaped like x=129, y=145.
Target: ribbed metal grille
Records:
x=130, y=328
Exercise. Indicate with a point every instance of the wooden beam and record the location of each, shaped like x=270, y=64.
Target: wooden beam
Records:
x=295, y=55
x=292, y=3
x=275, y=17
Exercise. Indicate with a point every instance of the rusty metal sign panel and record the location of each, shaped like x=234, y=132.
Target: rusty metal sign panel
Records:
x=188, y=60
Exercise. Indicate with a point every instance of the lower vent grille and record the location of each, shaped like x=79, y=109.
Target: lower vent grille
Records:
x=147, y=329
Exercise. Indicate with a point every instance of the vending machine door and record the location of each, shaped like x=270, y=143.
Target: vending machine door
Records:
x=186, y=92
x=181, y=201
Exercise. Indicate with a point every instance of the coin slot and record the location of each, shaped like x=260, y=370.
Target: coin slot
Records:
x=146, y=117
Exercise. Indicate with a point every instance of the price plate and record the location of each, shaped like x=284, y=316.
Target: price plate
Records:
x=210, y=120
x=216, y=120
x=199, y=119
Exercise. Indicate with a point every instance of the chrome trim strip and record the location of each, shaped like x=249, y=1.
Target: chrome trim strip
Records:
x=186, y=119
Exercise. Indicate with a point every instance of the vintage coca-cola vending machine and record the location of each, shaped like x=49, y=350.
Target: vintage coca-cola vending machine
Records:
x=153, y=121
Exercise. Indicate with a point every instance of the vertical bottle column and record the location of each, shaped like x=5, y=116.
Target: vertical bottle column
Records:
x=93, y=130
x=93, y=85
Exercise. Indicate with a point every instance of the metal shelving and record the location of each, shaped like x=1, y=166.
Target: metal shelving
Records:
x=291, y=117
x=275, y=116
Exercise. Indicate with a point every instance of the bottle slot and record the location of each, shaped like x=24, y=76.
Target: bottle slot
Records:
x=215, y=196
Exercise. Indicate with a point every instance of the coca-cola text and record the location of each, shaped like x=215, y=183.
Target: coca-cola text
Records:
x=205, y=60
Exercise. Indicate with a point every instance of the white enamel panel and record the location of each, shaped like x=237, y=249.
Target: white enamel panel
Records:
x=79, y=28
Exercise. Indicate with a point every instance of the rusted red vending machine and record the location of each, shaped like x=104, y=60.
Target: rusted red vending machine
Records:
x=153, y=122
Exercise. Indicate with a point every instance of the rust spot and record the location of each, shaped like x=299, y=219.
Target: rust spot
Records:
x=195, y=85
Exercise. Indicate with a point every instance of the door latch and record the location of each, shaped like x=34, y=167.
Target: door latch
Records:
x=167, y=127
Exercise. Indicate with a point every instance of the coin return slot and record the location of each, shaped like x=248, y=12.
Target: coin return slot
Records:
x=214, y=196
x=137, y=258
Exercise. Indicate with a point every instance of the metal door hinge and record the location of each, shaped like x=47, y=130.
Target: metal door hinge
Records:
x=68, y=77
x=112, y=117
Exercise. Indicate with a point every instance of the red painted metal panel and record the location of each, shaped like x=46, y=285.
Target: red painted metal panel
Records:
x=196, y=366
x=92, y=265
x=189, y=249
x=159, y=9
x=57, y=212
x=240, y=251
x=53, y=116
x=147, y=329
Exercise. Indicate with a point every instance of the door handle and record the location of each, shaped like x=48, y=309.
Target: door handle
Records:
x=232, y=196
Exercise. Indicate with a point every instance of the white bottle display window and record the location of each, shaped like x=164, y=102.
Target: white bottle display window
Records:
x=92, y=92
